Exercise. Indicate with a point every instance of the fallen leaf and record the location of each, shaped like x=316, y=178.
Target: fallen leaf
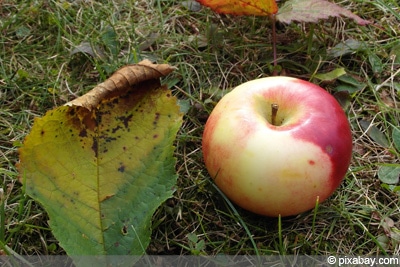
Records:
x=344, y=99
x=387, y=98
x=111, y=40
x=192, y=5
x=312, y=11
x=395, y=53
x=86, y=48
x=376, y=63
x=372, y=131
x=383, y=240
x=396, y=137
x=389, y=174
x=101, y=164
x=350, y=80
x=148, y=41
x=330, y=76
x=242, y=7
x=395, y=234
x=347, y=47
x=119, y=82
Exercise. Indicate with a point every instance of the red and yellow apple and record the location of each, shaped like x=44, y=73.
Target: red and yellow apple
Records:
x=275, y=146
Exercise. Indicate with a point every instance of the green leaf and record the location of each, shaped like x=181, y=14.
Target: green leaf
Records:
x=347, y=47
x=343, y=98
x=347, y=79
x=395, y=53
x=22, y=32
x=111, y=41
x=103, y=163
x=332, y=75
x=192, y=238
x=23, y=74
x=375, y=134
x=376, y=63
x=396, y=138
x=347, y=88
x=350, y=84
x=383, y=240
x=397, y=86
x=87, y=48
x=390, y=187
x=389, y=174
x=191, y=5
x=184, y=105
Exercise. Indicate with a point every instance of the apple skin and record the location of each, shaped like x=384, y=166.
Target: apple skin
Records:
x=280, y=169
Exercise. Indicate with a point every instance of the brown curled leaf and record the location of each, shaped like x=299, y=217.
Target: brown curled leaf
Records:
x=122, y=81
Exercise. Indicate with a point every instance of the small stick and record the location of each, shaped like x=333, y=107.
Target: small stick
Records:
x=273, y=20
x=274, y=108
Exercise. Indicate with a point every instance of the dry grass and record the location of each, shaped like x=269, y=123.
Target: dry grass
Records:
x=213, y=53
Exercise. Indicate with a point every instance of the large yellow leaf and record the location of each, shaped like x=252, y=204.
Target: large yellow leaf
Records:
x=101, y=164
x=242, y=7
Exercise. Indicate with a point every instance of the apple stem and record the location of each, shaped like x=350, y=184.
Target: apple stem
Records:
x=274, y=109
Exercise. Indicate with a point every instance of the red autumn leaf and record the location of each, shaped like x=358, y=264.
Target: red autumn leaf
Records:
x=242, y=7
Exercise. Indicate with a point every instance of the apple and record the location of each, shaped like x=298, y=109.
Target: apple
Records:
x=277, y=145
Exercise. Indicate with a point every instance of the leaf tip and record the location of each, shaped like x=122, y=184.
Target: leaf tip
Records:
x=242, y=7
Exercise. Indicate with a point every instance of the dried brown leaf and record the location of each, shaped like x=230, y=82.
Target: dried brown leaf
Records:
x=121, y=81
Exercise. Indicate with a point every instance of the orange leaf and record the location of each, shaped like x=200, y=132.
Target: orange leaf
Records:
x=242, y=7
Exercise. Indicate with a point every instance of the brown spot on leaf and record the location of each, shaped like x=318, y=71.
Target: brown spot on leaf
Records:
x=108, y=139
x=95, y=147
x=89, y=120
x=127, y=120
x=124, y=230
x=116, y=129
x=71, y=112
x=107, y=197
x=156, y=118
x=83, y=133
x=121, y=167
x=81, y=119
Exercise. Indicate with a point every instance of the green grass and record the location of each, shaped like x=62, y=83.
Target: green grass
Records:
x=213, y=54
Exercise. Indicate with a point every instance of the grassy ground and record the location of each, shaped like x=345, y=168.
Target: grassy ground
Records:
x=40, y=69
